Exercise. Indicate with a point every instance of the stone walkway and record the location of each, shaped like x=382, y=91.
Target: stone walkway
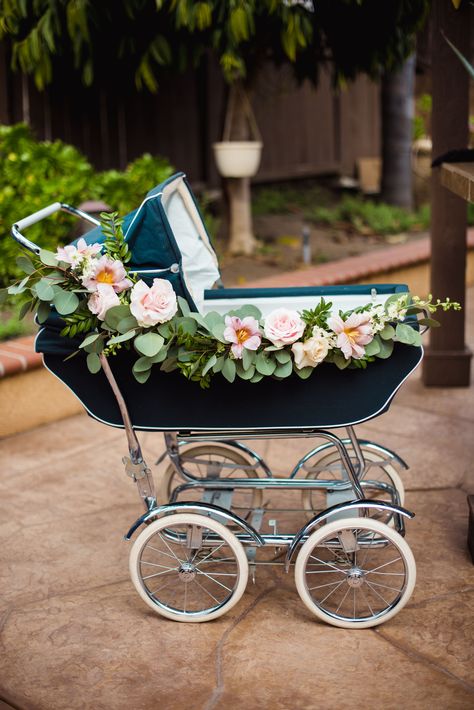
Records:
x=74, y=633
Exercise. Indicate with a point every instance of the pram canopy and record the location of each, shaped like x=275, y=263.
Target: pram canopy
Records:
x=168, y=239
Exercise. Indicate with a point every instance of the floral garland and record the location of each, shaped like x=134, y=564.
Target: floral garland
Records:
x=97, y=296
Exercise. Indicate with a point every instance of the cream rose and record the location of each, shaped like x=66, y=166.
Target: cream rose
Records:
x=103, y=299
x=153, y=304
x=312, y=352
x=283, y=327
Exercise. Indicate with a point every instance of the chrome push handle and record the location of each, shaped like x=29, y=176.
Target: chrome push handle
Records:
x=22, y=224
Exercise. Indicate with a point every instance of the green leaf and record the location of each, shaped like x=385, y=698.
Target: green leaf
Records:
x=283, y=356
x=25, y=264
x=44, y=290
x=3, y=295
x=89, y=340
x=209, y=364
x=264, y=364
x=245, y=311
x=386, y=349
x=142, y=364
x=121, y=338
x=183, y=306
x=24, y=309
x=141, y=377
x=430, y=322
x=405, y=334
x=43, y=311
x=229, y=370
x=65, y=302
x=115, y=314
x=199, y=319
x=340, y=361
x=93, y=363
x=387, y=333
x=218, y=332
x=219, y=364
x=257, y=377
x=373, y=348
x=149, y=344
x=284, y=370
x=213, y=318
x=392, y=299
x=304, y=373
x=248, y=358
x=48, y=257
x=18, y=288
x=245, y=374
x=126, y=324
x=165, y=330
x=169, y=364
x=187, y=325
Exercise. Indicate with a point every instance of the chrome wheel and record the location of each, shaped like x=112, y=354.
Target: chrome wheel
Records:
x=214, y=461
x=329, y=467
x=356, y=572
x=188, y=567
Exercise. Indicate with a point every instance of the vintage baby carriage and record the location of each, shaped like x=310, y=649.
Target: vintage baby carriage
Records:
x=210, y=522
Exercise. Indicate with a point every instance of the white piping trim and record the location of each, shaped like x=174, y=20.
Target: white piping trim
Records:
x=262, y=429
x=151, y=197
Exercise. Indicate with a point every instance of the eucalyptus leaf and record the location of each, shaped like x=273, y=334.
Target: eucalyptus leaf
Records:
x=141, y=377
x=245, y=311
x=121, y=338
x=219, y=364
x=213, y=318
x=183, y=306
x=282, y=356
x=257, y=377
x=265, y=365
x=44, y=290
x=340, y=361
x=142, y=364
x=304, y=373
x=89, y=340
x=43, y=311
x=209, y=364
x=18, y=288
x=386, y=349
x=199, y=319
x=284, y=370
x=169, y=364
x=24, y=309
x=245, y=374
x=373, y=348
x=387, y=333
x=48, y=257
x=93, y=363
x=149, y=344
x=248, y=358
x=430, y=322
x=187, y=325
x=65, y=302
x=160, y=356
x=218, y=332
x=115, y=314
x=126, y=324
x=405, y=334
x=229, y=369
x=25, y=264
x=165, y=330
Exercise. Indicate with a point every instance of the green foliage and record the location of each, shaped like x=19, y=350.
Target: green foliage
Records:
x=369, y=217
x=34, y=174
x=422, y=116
x=115, y=245
x=286, y=198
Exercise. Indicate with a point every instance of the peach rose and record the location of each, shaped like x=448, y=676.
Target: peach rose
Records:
x=313, y=351
x=103, y=299
x=153, y=304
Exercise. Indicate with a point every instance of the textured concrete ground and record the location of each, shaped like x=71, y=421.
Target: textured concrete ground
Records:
x=74, y=633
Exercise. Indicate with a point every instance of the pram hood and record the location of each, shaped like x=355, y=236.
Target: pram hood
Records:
x=168, y=239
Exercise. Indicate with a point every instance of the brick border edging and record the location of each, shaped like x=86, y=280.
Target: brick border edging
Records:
x=18, y=355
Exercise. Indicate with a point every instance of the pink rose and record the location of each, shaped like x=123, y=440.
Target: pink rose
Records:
x=155, y=304
x=103, y=299
x=107, y=271
x=283, y=327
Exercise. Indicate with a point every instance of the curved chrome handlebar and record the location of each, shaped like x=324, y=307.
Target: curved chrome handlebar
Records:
x=22, y=224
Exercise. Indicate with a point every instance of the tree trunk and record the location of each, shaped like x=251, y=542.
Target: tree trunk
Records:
x=241, y=237
x=397, y=135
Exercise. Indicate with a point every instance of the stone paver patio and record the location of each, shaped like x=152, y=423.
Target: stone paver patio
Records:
x=74, y=633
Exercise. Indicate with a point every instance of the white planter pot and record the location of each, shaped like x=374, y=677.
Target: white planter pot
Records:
x=237, y=159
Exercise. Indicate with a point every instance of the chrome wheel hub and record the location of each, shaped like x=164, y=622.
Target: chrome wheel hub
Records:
x=186, y=572
x=355, y=577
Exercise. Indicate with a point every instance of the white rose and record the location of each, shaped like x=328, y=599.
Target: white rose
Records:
x=283, y=327
x=103, y=299
x=155, y=304
x=312, y=352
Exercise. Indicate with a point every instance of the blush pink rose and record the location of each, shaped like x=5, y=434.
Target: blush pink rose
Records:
x=107, y=271
x=283, y=327
x=102, y=299
x=155, y=304
x=352, y=334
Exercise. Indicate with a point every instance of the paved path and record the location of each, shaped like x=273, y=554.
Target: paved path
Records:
x=74, y=633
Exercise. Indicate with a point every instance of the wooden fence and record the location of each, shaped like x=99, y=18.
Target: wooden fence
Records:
x=306, y=132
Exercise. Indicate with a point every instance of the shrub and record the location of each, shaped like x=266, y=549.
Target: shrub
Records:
x=34, y=174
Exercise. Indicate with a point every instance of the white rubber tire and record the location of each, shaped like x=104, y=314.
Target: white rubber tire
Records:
x=361, y=523
x=189, y=519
